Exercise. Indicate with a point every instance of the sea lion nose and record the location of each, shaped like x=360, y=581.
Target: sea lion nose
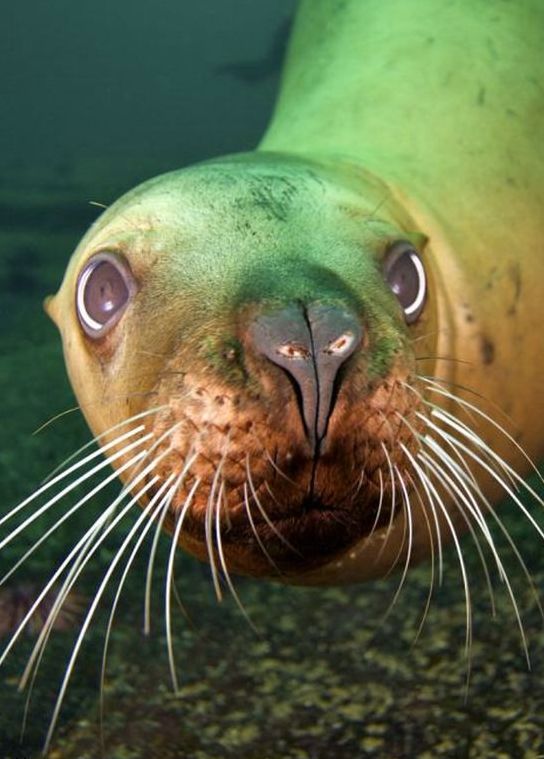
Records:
x=311, y=344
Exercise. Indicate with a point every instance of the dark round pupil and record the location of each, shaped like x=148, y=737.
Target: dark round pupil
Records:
x=403, y=278
x=105, y=292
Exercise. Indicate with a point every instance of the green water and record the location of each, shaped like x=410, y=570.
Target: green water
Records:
x=96, y=97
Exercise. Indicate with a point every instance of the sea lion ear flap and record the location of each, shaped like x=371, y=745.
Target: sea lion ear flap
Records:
x=50, y=305
x=418, y=240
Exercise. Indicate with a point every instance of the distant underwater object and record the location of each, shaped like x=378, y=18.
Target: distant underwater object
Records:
x=17, y=600
x=261, y=68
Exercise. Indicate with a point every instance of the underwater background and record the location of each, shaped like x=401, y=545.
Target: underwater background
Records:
x=96, y=97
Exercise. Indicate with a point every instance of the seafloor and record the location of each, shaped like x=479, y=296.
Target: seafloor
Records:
x=322, y=676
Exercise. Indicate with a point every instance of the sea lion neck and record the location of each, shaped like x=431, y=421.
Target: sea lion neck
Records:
x=409, y=91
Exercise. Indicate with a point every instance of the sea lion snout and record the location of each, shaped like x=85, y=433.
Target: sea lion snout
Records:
x=311, y=344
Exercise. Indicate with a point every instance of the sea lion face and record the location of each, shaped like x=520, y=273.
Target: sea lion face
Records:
x=258, y=310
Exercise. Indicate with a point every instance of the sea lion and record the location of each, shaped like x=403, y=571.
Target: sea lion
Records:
x=299, y=315
x=294, y=358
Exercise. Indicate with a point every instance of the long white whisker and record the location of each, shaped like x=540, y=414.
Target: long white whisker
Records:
x=168, y=583
x=153, y=551
x=262, y=510
x=162, y=501
x=102, y=435
x=467, y=483
x=409, y=521
x=59, y=601
x=440, y=474
x=82, y=501
x=76, y=571
x=458, y=444
x=255, y=532
x=499, y=466
x=436, y=389
x=79, y=566
x=380, y=505
x=208, y=525
x=222, y=560
x=496, y=462
x=468, y=604
x=75, y=550
x=81, y=479
x=459, y=499
x=433, y=560
x=416, y=434
x=486, y=449
x=392, y=514
x=96, y=600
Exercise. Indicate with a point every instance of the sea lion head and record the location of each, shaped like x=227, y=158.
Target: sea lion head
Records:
x=259, y=317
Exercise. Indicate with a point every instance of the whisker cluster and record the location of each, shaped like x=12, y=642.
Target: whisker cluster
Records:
x=438, y=480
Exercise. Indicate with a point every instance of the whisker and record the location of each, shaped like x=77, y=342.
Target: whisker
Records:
x=277, y=468
x=458, y=499
x=210, y=506
x=77, y=570
x=90, y=536
x=478, y=516
x=498, y=465
x=222, y=560
x=407, y=511
x=271, y=494
x=471, y=504
x=96, y=600
x=78, y=481
x=482, y=444
x=254, y=530
x=431, y=502
x=427, y=606
x=55, y=418
x=392, y=514
x=82, y=501
x=263, y=511
x=162, y=502
x=468, y=603
x=445, y=358
x=168, y=583
x=425, y=336
x=466, y=479
x=39, y=649
x=468, y=483
x=380, y=505
x=430, y=379
x=94, y=440
x=72, y=410
x=504, y=485
x=435, y=407
x=152, y=553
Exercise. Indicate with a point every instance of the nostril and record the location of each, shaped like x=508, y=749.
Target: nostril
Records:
x=291, y=350
x=342, y=345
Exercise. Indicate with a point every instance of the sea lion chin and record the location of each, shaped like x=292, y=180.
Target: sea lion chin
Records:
x=248, y=301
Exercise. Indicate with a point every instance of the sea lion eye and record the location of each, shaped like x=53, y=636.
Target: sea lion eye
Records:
x=104, y=289
x=405, y=275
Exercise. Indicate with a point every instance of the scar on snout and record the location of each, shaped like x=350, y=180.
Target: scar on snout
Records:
x=487, y=350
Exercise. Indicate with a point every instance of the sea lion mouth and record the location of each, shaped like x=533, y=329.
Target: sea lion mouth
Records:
x=314, y=533
x=296, y=537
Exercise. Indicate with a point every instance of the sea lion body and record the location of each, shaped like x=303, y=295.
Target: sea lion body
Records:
x=395, y=121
